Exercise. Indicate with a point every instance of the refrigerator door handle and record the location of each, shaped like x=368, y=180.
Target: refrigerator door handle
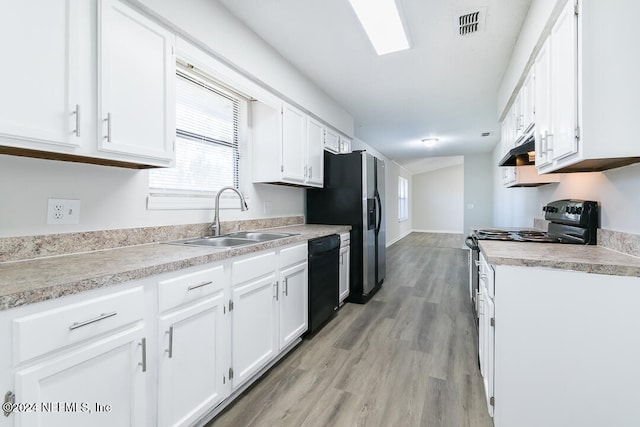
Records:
x=379, y=208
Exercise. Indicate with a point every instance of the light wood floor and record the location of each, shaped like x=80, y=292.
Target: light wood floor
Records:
x=406, y=358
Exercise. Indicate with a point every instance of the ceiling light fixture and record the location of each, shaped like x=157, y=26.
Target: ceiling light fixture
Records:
x=430, y=142
x=381, y=21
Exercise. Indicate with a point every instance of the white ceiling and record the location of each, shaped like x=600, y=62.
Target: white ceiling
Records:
x=445, y=86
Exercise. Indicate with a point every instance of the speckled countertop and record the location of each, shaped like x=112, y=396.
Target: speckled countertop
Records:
x=590, y=259
x=35, y=280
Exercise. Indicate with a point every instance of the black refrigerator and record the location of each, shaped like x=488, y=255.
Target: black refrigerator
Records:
x=353, y=194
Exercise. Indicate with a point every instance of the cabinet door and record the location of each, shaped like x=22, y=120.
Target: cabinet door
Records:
x=542, y=71
x=294, y=136
x=564, y=83
x=294, y=303
x=528, y=101
x=315, y=153
x=39, y=79
x=331, y=141
x=489, y=354
x=97, y=384
x=136, y=81
x=344, y=272
x=345, y=145
x=195, y=355
x=255, y=326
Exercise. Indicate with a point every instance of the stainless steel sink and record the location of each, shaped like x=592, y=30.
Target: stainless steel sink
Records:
x=232, y=240
x=216, y=242
x=261, y=237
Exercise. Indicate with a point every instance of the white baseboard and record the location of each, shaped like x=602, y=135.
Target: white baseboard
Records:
x=402, y=236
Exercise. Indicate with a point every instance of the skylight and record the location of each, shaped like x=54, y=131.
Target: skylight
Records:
x=381, y=21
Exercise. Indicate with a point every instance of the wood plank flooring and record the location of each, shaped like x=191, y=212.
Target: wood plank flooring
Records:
x=406, y=358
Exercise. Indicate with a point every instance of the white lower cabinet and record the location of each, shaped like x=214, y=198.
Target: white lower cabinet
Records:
x=345, y=266
x=194, y=351
x=270, y=307
x=169, y=350
x=563, y=348
x=294, y=295
x=255, y=315
x=77, y=361
x=486, y=331
x=99, y=384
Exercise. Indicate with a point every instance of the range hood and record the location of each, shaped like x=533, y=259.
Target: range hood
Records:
x=519, y=156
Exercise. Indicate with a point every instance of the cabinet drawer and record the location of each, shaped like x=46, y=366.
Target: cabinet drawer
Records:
x=293, y=255
x=53, y=329
x=189, y=287
x=255, y=266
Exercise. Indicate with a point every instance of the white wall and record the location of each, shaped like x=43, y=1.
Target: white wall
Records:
x=116, y=198
x=478, y=191
x=396, y=229
x=438, y=199
x=209, y=25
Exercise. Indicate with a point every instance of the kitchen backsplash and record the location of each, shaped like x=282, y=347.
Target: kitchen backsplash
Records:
x=621, y=242
x=618, y=241
x=29, y=247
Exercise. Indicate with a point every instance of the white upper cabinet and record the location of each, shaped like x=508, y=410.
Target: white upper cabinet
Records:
x=315, y=153
x=89, y=81
x=136, y=85
x=527, y=108
x=294, y=133
x=331, y=141
x=543, y=104
x=43, y=79
x=287, y=146
x=588, y=89
x=345, y=145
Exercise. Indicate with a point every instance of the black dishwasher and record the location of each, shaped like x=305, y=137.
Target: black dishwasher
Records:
x=323, y=280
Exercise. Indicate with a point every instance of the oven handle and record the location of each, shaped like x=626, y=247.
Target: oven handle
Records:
x=471, y=243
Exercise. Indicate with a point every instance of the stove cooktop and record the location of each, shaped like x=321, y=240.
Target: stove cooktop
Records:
x=515, y=235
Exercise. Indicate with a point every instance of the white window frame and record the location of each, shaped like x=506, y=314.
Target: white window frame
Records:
x=161, y=199
x=403, y=199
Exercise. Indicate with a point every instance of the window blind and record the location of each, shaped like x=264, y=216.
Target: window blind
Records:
x=206, y=139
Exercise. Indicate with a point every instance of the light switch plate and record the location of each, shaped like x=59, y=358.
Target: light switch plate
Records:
x=63, y=211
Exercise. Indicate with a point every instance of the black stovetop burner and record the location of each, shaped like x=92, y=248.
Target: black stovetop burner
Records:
x=570, y=221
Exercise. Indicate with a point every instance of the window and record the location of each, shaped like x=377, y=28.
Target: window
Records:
x=207, y=135
x=403, y=199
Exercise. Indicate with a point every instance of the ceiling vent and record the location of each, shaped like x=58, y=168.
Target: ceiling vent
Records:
x=472, y=22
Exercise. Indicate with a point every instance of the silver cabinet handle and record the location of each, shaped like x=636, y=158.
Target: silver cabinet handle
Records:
x=305, y=171
x=310, y=171
x=543, y=142
x=77, y=114
x=285, y=291
x=103, y=316
x=144, y=355
x=549, y=145
x=108, y=120
x=275, y=294
x=170, y=349
x=192, y=287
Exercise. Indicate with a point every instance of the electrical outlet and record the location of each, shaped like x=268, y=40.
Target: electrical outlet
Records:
x=266, y=207
x=63, y=211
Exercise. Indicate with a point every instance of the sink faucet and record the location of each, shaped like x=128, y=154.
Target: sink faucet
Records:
x=215, y=226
